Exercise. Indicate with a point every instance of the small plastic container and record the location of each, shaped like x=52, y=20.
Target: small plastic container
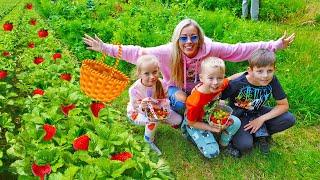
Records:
x=221, y=116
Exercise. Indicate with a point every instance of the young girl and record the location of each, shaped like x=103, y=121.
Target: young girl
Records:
x=199, y=108
x=148, y=100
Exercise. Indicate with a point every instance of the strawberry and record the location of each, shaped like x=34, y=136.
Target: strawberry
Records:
x=31, y=44
x=3, y=74
x=38, y=60
x=7, y=26
x=123, y=156
x=33, y=22
x=65, y=76
x=42, y=33
x=96, y=107
x=56, y=56
x=81, y=143
x=38, y=91
x=65, y=109
x=40, y=171
x=151, y=126
x=29, y=6
x=5, y=53
x=50, y=131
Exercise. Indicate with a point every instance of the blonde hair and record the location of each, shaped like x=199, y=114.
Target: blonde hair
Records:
x=262, y=58
x=151, y=59
x=213, y=62
x=176, y=55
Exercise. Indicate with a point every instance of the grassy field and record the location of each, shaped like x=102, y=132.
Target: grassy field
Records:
x=295, y=153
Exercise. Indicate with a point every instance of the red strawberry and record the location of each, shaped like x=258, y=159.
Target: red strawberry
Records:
x=50, y=131
x=42, y=33
x=31, y=44
x=81, y=143
x=123, y=156
x=96, y=107
x=38, y=91
x=151, y=126
x=29, y=6
x=3, y=74
x=38, y=60
x=66, y=109
x=7, y=26
x=5, y=53
x=41, y=171
x=33, y=22
x=65, y=76
x=56, y=56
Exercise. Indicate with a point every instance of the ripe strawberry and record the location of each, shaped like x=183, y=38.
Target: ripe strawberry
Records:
x=41, y=171
x=33, y=22
x=96, y=107
x=42, y=33
x=123, y=156
x=151, y=126
x=81, y=143
x=65, y=109
x=29, y=6
x=31, y=44
x=7, y=26
x=5, y=53
x=3, y=74
x=50, y=131
x=38, y=91
x=38, y=60
x=65, y=76
x=56, y=56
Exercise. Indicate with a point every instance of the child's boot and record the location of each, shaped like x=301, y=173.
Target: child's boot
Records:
x=263, y=145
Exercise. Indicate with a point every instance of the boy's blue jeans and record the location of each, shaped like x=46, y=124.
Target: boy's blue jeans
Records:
x=243, y=140
x=205, y=140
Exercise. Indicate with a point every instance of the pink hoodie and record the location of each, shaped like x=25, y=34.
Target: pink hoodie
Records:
x=229, y=52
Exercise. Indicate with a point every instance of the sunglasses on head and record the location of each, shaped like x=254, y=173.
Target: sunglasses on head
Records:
x=193, y=38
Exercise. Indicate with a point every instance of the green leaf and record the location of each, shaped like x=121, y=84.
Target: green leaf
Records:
x=70, y=172
x=126, y=165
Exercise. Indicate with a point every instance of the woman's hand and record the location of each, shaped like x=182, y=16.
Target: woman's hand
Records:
x=287, y=40
x=93, y=43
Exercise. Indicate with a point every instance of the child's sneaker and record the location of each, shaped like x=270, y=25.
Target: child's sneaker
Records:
x=155, y=148
x=230, y=150
x=263, y=145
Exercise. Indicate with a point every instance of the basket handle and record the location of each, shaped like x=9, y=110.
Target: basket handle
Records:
x=118, y=57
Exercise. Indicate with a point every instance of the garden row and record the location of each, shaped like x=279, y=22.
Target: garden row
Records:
x=50, y=127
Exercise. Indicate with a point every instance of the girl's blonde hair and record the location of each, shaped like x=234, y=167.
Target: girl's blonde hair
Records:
x=151, y=59
x=176, y=55
x=213, y=62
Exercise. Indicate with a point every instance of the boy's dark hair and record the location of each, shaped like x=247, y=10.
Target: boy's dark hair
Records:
x=262, y=58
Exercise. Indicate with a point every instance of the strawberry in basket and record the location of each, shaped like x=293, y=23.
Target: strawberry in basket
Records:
x=221, y=116
x=156, y=110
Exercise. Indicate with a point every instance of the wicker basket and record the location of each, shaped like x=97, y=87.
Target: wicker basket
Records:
x=102, y=82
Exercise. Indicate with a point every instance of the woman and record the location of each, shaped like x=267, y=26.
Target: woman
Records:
x=180, y=59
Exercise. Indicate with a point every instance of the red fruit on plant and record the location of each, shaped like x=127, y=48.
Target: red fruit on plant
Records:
x=42, y=33
x=96, y=107
x=31, y=44
x=40, y=171
x=122, y=156
x=5, y=53
x=38, y=91
x=81, y=143
x=29, y=6
x=38, y=60
x=33, y=22
x=65, y=109
x=151, y=126
x=65, y=76
x=3, y=74
x=50, y=131
x=56, y=56
x=7, y=26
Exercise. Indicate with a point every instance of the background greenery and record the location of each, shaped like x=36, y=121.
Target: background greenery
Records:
x=294, y=153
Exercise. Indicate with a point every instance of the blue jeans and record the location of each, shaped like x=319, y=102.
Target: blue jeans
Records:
x=243, y=140
x=205, y=140
x=254, y=9
x=175, y=104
